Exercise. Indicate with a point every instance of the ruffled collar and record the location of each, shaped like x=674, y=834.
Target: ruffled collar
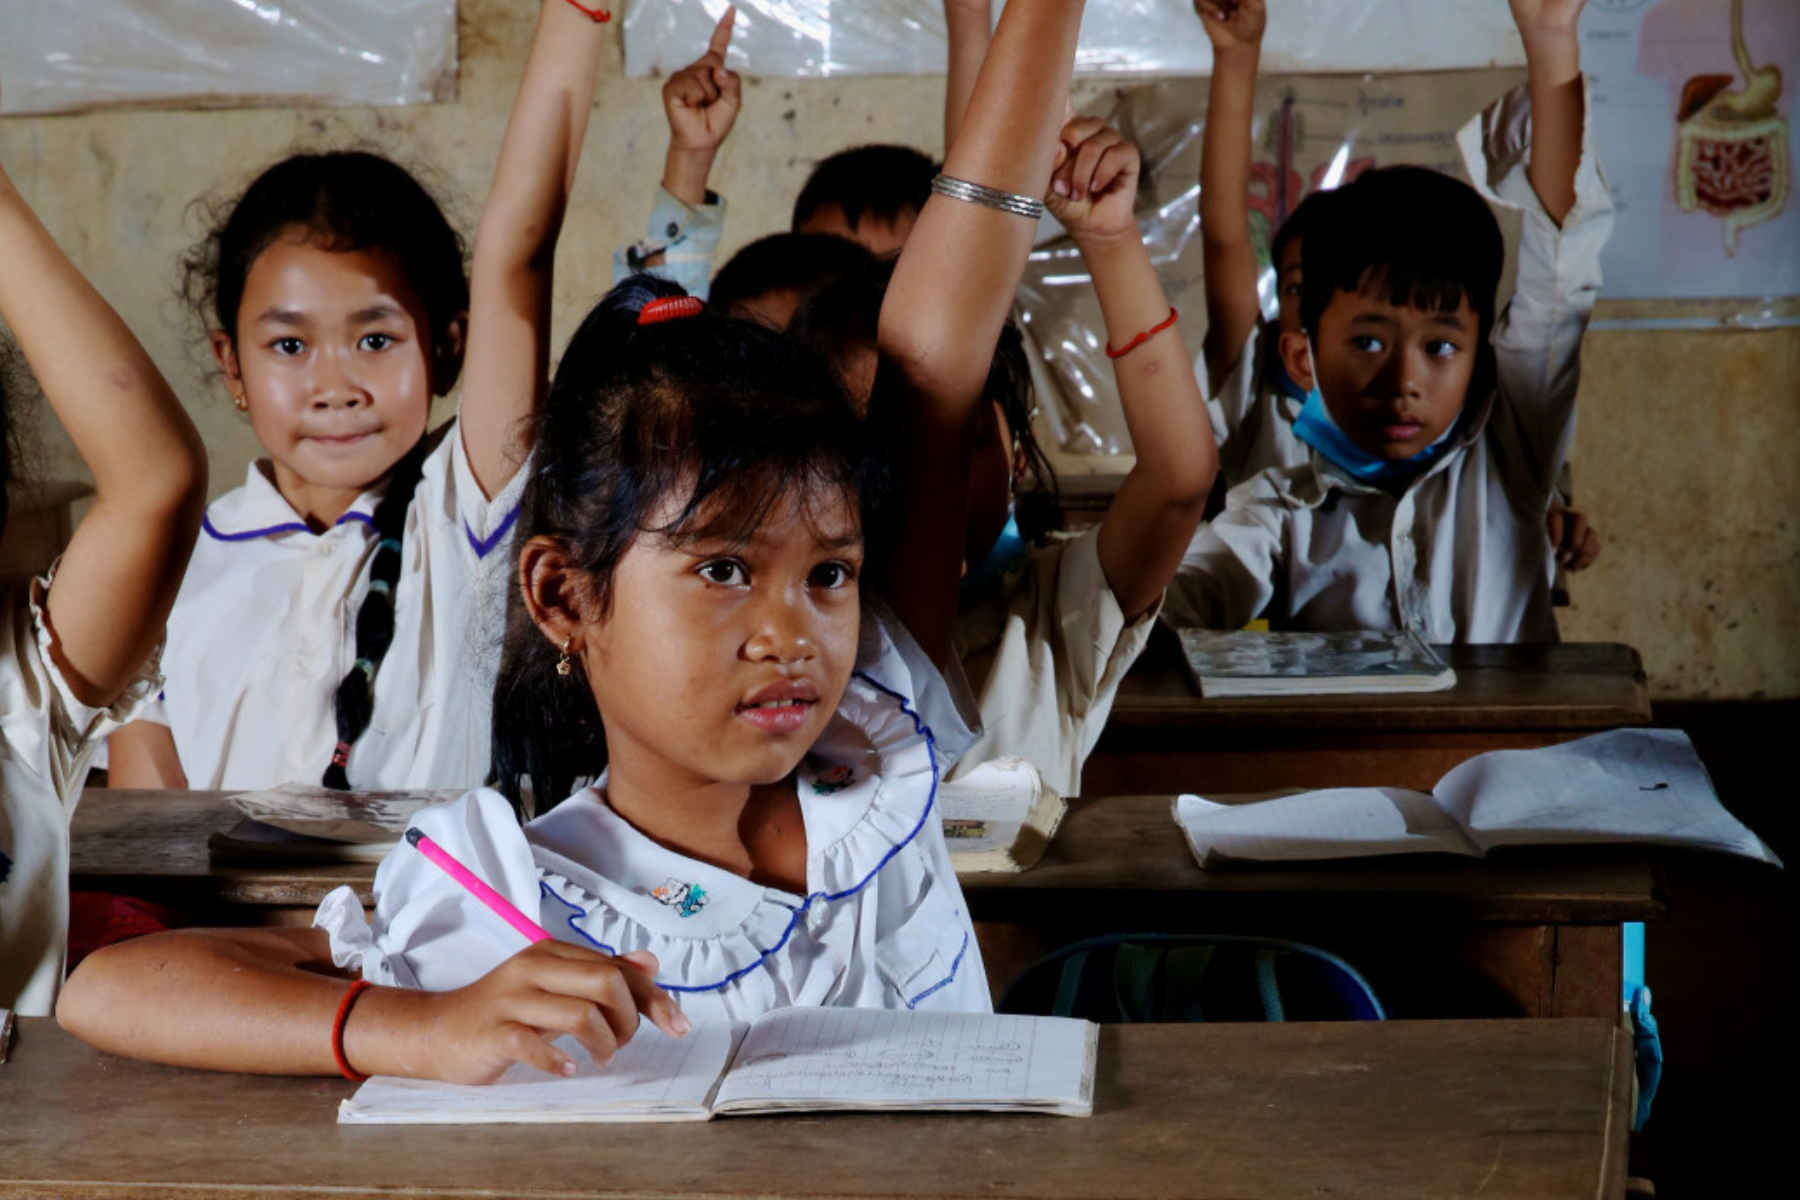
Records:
x=866, y=792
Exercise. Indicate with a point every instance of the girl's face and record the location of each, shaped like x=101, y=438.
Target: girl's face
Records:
x=332, y=361
x=722, y=662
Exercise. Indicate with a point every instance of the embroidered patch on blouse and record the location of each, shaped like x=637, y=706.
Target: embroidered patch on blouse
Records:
x=833, y=779
x=685, y=898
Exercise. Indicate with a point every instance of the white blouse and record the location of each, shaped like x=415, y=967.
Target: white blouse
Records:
x=882, y=923
x=47, y=738
x=1045, y=647
x=264, y=630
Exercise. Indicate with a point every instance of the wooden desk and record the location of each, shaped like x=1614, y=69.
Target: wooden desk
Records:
x=1537, y=930
x=1506, y=1109
x=1164, y=737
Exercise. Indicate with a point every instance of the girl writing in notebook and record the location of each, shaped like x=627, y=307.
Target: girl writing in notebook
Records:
x=76, y=647
x=337, y=624
x=688, y=628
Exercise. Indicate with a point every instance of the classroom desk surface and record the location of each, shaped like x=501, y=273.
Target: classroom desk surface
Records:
x=1163, y=735
x=154, y=844
x=1536, y=930
x=1503, y=1109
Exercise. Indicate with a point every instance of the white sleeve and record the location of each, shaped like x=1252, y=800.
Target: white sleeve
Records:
x=63, y=732
x=943, y=699
x=427, y=930
x=1537, y=337
x=485, y=523
x=1227, y=576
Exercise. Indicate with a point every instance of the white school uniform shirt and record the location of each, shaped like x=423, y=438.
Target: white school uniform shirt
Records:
x=1459, y=556
x=264, y=630
x=882, y=924
x=47, y=739
x=1045, y=645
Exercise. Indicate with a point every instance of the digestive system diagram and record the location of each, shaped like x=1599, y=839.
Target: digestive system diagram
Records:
x=1731, y=149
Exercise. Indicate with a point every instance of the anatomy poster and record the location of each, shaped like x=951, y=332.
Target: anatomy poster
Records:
x=1693, y=106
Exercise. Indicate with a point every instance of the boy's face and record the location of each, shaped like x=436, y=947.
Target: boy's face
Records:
x=1287, y=287
x=1393, y=376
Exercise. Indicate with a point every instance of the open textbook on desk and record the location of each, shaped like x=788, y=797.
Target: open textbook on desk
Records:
x=791, y=1059
x=1641, y=786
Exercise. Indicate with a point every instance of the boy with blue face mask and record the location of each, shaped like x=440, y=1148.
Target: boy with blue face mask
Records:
x=1435, y=449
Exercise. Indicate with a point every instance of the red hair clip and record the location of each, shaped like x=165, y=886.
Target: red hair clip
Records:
x=670, y=308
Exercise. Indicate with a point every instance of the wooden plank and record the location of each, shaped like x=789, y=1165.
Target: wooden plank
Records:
x=1585, y=687
x=1397, y=1110
x=154, y=844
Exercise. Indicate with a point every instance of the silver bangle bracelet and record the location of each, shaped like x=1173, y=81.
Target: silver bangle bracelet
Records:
x=987, y=197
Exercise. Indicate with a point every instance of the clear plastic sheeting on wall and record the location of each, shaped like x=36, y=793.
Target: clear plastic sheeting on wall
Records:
x=1120, y=38
x=58, y=56
x=1309, y=132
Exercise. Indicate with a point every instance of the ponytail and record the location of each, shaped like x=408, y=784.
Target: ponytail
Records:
x=355, y=698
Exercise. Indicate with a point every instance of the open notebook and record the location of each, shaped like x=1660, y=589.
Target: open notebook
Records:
x=791, y=1059
x=1631, y=785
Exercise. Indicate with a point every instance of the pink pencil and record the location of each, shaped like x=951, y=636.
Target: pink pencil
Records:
x=481, y=891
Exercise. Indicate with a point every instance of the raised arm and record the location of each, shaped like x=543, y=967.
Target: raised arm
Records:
x=701, y=102
x=1553, y=66
x=1233, y=307
x=950, y=295
x=507, y=366
x=1158, y=506
x=119, y=576
x=968, y=24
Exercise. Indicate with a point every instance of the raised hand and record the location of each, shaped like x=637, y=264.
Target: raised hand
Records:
x=702, y=101
x=1236, y=24
x=512, y=1013
x=1093, y=189
x=1546, y=17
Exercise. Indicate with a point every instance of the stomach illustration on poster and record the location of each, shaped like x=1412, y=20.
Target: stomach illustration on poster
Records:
x=1731, y=149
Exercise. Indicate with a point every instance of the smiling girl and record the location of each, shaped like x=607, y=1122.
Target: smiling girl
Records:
x=337, y=618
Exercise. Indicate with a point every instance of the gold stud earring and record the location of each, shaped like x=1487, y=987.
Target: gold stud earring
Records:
x=565, y=664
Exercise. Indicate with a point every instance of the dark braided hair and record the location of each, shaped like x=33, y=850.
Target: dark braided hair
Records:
x=728, y=415
x=342, y=201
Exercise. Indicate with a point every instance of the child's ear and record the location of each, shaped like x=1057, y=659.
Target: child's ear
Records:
x=447, y=355
x=1296, y=356
x=552, y=593
x=225, y=354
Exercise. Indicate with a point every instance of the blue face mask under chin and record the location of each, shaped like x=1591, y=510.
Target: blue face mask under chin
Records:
x=1007, y=549
x=1316, y=428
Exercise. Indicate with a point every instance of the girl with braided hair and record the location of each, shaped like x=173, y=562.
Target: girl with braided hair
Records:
x=342, y=617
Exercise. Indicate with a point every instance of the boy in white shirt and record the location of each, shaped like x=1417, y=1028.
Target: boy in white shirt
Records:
x=1436, y=454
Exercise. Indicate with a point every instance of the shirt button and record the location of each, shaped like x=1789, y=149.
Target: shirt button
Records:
x=673, y=229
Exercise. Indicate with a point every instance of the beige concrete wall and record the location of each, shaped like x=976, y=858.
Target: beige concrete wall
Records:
x=1686, y=460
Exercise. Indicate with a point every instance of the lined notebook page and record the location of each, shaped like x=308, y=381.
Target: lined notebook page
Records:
x=1630, y=785
x=872, y=1058
x=655, y=1077
x=1332, y=823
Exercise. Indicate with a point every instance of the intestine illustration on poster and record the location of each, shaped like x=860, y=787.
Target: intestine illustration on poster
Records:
x=1731, y=157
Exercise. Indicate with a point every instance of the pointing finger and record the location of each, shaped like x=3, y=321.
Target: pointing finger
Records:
x=721, y=34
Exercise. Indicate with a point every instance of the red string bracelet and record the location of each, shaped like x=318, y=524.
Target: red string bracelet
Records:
x=337, y=1030
x=1143, y=337
x=600, y=16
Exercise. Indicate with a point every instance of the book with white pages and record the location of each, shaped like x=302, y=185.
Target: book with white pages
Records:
x=1636, y=786
x=999, y=817
x=1258, y=663
x=787, y=1060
